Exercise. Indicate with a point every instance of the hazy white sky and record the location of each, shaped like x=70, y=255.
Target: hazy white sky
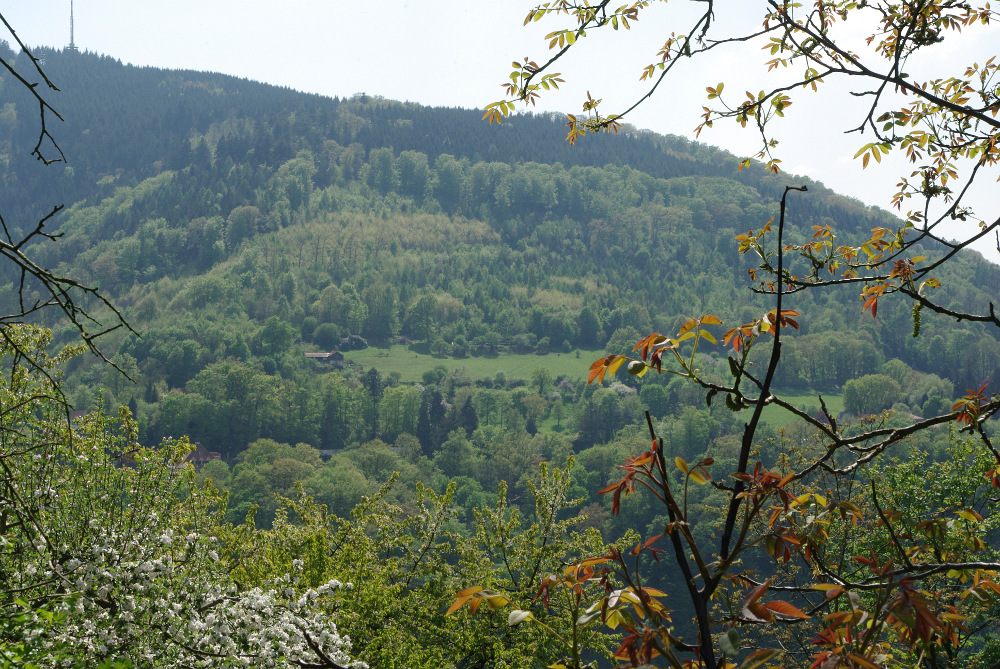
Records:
x=458, y=52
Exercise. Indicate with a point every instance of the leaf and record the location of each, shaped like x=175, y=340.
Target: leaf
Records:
x=613, y=367
x=590, y=562
x=614, y=619
x=862, y=661
x=497, y=602
x=758, y=658
x=751, y=609
x=608, y=488
x=831, y=591
x=970, y=515
x=462, y=597
x=517, y=616
x=589, y=616
x=681, y=464
x=730, y=643
x=688, y=326
x=597, y=368
x=786, y=609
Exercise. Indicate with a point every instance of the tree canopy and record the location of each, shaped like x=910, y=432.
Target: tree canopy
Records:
x=241, y=225
x=817, y=558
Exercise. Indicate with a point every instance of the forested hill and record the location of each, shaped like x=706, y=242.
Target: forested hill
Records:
x=130, y=122
x=239, y=225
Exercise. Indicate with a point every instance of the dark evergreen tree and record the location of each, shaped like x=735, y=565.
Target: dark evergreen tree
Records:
x=372, y=382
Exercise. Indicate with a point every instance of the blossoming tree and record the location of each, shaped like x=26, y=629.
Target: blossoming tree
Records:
x=110, y=554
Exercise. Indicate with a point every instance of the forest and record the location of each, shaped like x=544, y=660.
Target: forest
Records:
x=465, y=277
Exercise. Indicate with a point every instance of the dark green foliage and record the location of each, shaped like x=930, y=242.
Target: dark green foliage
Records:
x=239, y=225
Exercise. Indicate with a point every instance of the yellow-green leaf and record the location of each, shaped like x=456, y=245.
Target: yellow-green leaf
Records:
x=613, y=367
x=758, y=658
x=970, y=515
x=497, y=602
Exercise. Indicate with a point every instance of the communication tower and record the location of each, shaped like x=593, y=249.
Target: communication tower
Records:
x=72, y=44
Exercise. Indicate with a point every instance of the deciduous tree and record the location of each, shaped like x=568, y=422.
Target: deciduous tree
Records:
x=857, y=597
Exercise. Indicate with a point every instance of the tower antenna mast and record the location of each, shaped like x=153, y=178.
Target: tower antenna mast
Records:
x=72, y=44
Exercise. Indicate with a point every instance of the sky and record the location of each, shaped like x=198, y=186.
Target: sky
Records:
x=457, y=53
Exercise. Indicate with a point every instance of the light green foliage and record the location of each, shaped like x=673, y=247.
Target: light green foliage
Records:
x=398, y=411
x=871, y=394
x=404, y=567
x=111, y=556
x=270, y=225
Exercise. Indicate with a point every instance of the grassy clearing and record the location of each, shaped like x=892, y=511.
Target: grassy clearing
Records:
x=777, y=416
x=412, y=364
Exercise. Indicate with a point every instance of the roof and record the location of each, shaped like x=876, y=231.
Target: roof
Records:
x=335, y=355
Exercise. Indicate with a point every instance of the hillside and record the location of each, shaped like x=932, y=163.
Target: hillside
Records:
x=239, y=225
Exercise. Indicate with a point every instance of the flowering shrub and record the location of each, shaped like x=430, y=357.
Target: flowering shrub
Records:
x=109, y=553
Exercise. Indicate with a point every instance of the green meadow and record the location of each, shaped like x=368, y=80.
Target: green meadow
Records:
x=802, y=400
x=411, y=363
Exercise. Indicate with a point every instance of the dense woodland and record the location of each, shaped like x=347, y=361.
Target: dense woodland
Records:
x=238, y=226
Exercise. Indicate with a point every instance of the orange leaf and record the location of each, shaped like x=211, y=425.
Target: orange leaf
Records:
x=608, y=488
x=457, y=604
x=862, y=661
x=786, y=609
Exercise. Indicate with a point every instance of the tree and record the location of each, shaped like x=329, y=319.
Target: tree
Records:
x=398, y=412
x=541, y=378
x=373, y=382
x=382, y=170
x=797, y=519
x=241, y=224
x=36, y=287
x=871, y=393
x=382, y=321
x=273, y=338
x=111, y=531
x=449, y=178
x=420, y=317
x=414, y=174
